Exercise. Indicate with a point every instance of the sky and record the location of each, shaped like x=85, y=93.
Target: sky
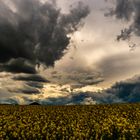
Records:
x=69, y=52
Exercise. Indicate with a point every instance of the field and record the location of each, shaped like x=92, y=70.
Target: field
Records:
x=97, y=122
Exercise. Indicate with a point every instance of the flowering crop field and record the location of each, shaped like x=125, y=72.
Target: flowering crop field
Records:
x=92, y=122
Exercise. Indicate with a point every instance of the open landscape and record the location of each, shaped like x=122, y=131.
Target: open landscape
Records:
x=98, y=122
x=69, y=69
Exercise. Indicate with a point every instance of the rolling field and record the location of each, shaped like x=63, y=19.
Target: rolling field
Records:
x=97, y=122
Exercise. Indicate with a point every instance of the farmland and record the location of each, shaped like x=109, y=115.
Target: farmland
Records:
x=98, y=122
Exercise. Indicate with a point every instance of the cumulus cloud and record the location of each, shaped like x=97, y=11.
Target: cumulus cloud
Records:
x=34, y=33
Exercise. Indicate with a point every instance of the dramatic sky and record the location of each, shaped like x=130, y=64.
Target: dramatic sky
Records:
x=69, y=52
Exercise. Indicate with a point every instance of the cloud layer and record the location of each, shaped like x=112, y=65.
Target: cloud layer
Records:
x=127, y=91
x=20, y=84
x=76, y=77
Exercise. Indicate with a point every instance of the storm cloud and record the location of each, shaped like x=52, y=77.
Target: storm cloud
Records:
x=129, y=11
x=127, y=91
x=32, y=83
x=18, y=84
x=30, y=77
x=34, y=33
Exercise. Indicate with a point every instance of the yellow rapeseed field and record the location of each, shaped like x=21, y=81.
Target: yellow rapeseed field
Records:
x=92, y=122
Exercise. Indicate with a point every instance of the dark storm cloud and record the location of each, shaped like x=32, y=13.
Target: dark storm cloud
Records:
x=24, y=90
x=128, y=10
x=127, y=91
x=33, y=33
x=18, y=84
x=18, y=65
x=32, y=83
x=123, y=9
x=30, y=77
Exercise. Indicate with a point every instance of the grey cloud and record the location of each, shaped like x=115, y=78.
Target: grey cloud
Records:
x=21, y=84
x=127, y=91
x=88, y=101
x=33, y=33
x=9, y=101
x=77, y=78
x=35, y=84
x=129, y=10
x=118, y=65
x=30, y=77
x=32, y=83
x=123, y=9
x=27, y=90
x=18, y=65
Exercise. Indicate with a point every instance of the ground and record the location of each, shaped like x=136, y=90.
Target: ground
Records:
x=98, y=122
